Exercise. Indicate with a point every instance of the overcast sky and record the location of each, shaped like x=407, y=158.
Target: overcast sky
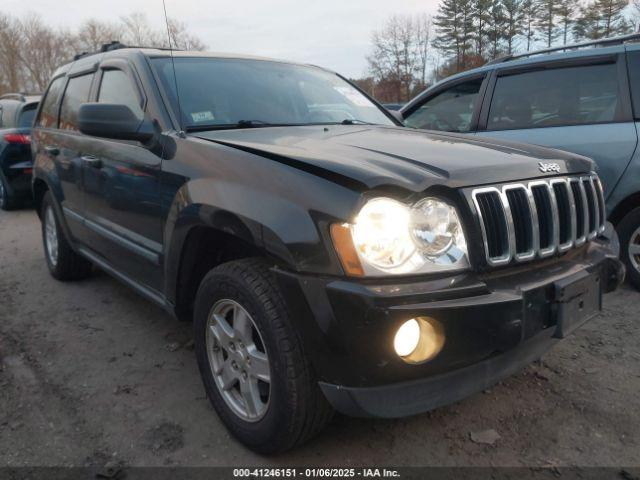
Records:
x=332, y=33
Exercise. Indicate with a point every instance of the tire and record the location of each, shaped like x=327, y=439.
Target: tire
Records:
x=629, y=233
x=6, y=202
x=64, y=264
x=293, y=409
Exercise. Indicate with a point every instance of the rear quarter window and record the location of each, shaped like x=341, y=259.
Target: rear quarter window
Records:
x=48, y=117
x=556, y=97
x=25, y=119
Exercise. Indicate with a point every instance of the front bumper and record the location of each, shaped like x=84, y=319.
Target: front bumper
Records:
x=494, y=323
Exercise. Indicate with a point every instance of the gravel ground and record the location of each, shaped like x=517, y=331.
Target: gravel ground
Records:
x=92, y=374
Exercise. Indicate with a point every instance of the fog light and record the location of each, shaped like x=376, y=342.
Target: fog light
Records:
x=419, y=339
x=407, y=338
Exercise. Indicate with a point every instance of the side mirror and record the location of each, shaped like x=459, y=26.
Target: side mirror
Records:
x=110, y=120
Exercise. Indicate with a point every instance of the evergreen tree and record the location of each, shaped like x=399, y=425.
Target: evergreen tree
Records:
x=530, y=10
x=497, y=27
x=454, y=30
x=514, y=15
x=482, y=18
x=588, y=25
x=546, y=21
x=566, y=11
x=611, y=13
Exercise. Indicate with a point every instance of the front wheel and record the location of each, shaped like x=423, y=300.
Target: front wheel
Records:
x=251, y=359
x=629, y=233
x=63, y=262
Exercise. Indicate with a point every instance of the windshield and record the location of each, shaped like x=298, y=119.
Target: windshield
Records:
x=219, y=93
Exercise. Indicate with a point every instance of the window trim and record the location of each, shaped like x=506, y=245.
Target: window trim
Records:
x=430, y=94
x=129, y=70
x=622, y=115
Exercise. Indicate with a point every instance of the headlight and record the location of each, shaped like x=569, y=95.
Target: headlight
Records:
x=389, y=237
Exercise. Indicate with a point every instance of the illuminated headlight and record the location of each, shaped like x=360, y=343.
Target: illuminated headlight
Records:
x=389, y=237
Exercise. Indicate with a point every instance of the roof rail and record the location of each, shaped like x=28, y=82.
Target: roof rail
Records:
x=15, y=96
x=603, y=42
x=114, y=45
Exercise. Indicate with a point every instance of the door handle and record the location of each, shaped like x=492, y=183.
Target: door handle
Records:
x=92, y=161
x=51, y=150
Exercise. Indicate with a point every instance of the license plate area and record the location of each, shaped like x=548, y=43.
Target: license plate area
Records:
x=578, y=298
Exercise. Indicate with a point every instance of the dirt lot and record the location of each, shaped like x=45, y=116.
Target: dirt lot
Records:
x=92, y=374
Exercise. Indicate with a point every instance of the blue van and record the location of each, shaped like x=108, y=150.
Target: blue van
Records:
x=582, y=98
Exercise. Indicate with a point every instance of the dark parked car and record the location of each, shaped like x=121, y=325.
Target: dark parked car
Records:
x=17, y=112
x=328, y=257
x=582, y=98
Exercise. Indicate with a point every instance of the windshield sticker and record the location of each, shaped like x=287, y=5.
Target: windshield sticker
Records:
x=202, y=116
x=353, y=96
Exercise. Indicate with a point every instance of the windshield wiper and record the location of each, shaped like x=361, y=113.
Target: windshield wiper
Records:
x=238, y=124
x=355, y=121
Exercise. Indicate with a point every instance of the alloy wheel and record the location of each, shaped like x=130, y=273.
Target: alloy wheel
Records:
x=51, y=235
x=238, y=360
x=634, y=249
x=2, y=193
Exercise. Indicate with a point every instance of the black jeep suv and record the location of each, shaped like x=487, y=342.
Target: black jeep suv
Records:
x=17, y=112
x=329, y=258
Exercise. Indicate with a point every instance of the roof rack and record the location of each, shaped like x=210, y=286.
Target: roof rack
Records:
x=21, y=96
x=114, y=45
x=603, y=42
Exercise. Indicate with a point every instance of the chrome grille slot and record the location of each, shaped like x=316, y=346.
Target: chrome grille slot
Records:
x=517, y=197
x=566, y=214
x=592, y=207
x=601, y=203
x=581, y=211
x=523, y=221
x=494, y=224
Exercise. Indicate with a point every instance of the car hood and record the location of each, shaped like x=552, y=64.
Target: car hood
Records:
x=375, y=156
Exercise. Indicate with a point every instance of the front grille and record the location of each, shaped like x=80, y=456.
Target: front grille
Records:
x=539, y=218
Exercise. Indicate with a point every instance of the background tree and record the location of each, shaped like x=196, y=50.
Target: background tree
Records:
x=530, y=10
x=566, y=11
x=481, y=12
x=513, y=12
x=546, y=21
x=393, y=60
x=11, y=71
x=424, y=31
x=612, y=14
x=454, y=30
x=94, y=33
x=497, y=27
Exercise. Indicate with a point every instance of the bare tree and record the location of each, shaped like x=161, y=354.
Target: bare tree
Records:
x=424, y=31
x=393, y=59
x=43, y=50
x=94, y=33
x=180, y=37
x=136, y=31
x=11, y=74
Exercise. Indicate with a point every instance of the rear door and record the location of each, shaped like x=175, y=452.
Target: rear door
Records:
x=121, y=181
x=580, y=105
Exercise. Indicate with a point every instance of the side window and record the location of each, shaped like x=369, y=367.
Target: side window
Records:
x=76, y=94
x=116, y=87
x=1, y=113
x=450, y=110
x=552, y=98
x=633, y=65
x=49, y=114
x=27, y=115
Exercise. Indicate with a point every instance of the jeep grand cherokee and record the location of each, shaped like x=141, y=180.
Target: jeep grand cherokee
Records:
x=329, y=258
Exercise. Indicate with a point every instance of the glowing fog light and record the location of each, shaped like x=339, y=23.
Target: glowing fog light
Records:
x=407, y=338
x=419, y=339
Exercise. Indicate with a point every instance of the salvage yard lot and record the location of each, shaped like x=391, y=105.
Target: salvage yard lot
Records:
x=92, y=374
